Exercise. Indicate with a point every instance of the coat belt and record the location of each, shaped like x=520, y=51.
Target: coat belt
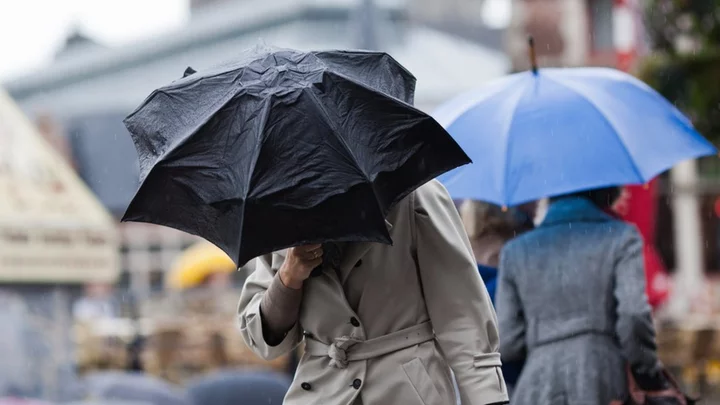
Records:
x=347, y=348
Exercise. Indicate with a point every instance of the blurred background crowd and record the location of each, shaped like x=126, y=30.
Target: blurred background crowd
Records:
x=82, y=292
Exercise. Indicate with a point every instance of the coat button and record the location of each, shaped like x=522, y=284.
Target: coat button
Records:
x=306, y=386
x=354, y=322
x=357, y=383
x=359, y=263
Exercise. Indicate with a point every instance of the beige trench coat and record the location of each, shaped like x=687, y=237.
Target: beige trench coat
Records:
x=384, y=351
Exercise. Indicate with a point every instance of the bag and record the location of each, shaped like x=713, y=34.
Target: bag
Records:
x=668, y=396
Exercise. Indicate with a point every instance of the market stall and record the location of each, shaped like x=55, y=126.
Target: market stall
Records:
x=52, y=229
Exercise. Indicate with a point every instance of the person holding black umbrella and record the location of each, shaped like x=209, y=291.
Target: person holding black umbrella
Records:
x=318, y=165
x=388, y=323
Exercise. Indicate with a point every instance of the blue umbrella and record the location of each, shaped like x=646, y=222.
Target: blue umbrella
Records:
x=548, y=132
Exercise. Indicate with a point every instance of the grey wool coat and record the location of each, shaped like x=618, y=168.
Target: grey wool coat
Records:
x=391, y=322
x=571, y=300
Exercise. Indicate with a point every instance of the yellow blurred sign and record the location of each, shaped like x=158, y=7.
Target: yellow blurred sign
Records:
x=52, y=229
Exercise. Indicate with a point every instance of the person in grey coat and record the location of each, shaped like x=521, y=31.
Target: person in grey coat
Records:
x=571, y=301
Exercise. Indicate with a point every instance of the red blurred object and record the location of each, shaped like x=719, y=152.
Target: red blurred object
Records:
x=625, y=61
x=656, y=277
x=639, y=207
x=716, y=207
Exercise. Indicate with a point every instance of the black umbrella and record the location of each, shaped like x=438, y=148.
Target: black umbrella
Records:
x=281, y=148
x=239, y=387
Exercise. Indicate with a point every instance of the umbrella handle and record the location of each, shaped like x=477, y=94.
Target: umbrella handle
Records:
x=189, y=71
x=331, y=257
x=317, y=271
x=532, y=55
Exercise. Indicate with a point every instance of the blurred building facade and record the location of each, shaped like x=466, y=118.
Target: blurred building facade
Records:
x=54, y=237
x=566, y=32
x=464, y=18
x=201, y=4
x=89, y=88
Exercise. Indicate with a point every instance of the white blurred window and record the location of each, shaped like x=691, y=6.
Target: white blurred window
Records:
x=497, y=14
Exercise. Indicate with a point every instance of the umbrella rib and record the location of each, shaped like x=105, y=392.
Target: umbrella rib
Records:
x=365, y=86
x=607, y=120
x=324, y=112
x=184, y=139
x=259, y=141
x=446, y=115
x=508, y=134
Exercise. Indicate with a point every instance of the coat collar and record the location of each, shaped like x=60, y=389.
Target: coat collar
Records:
x=568, y=210
x=353, y=253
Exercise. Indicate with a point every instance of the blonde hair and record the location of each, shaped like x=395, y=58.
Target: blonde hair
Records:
x=483, y=219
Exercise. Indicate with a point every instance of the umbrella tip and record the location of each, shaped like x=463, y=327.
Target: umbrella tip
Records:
x=504, y=208
x=189, y=71
x=646, y=186
x=532, y=54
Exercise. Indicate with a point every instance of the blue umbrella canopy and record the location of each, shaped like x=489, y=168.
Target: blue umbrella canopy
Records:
x=554, y=131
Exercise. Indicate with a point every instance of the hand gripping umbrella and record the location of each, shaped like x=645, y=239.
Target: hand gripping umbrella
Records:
x=281, y=148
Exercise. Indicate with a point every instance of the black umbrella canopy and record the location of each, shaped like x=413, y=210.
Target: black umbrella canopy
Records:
x=280, y=148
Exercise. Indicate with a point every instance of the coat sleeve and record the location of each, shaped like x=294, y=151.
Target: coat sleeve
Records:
x=458, y=303
x=249, y=315
x=634, y=327
x=511, y=318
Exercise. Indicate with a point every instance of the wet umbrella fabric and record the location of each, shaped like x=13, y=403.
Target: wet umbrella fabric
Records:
x=282, y=148
x=133, y=387
x=235, y=387
x=563, y=130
